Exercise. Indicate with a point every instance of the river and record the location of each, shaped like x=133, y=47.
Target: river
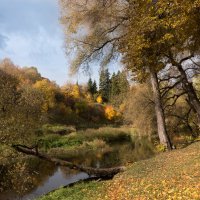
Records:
x=48, y=177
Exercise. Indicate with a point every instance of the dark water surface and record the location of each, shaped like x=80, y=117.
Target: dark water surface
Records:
x=58, y=179
x=49, y=177
x=61, y=177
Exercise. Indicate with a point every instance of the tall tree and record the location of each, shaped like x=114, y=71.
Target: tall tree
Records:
x=90, y=85
x=110, y=24
x=119, y=87
x=104, y=84
x=8, y=92
x=168, y=33
x=114, y=87
x=94, y=87
x=123, y=82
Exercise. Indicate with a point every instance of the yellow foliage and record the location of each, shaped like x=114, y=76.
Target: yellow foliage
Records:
x=75, y=91
x=48, y=89
x=122, y=107
x=99, y=99
x=88, y=97
x=110, y=112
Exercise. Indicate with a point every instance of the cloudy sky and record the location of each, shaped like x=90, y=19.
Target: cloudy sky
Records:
x=30, y=35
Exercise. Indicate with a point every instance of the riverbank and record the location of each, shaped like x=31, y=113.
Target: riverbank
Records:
x=169, y=175
x=97, y=142
x=99, y=148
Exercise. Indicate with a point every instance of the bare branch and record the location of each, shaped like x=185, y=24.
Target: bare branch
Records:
x=168, y=78
x=186, y=58
x=166, y=89
x=195, y=63
x=175, y=96
x=190, y=68
x=107, y=42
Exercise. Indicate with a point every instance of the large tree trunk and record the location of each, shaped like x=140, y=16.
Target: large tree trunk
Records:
x=101, y=173
x=188, y=87
x=161, y=125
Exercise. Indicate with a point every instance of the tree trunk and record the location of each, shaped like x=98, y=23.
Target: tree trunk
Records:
x=101, y=173
x=188, y=87
x=161, y=125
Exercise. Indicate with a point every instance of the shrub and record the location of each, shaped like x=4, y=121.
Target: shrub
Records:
x=110, y=112
x=107, y=134
x=54, y=141
x=59, y=129
x=160, y=148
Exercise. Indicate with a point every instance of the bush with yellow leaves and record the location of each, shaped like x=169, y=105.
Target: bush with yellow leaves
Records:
x=111, y=113
x=99, y=99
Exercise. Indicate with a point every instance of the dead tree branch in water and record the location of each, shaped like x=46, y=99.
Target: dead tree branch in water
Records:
x=101, y=173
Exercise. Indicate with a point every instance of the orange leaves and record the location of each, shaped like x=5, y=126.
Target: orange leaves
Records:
x=110, y=112
x=172, y=175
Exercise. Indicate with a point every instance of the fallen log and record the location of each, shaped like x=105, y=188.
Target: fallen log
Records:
x=98, y=172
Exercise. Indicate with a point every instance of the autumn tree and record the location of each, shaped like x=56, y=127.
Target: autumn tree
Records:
x=8, y=91
x=26, y=75
x=10, y=68
x=49, y=90
x=21, y=109
x=167, y=35
x=31, y=74
x=31, y=102
x=139, y=109
x=110, y=28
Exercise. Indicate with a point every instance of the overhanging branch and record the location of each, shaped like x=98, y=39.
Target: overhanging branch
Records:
x=186, y=58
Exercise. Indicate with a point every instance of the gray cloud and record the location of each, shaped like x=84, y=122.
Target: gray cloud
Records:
x=30, y=34
x=33, y=36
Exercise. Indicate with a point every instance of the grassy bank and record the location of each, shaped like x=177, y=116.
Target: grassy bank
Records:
x=83, y=142
x=119, y=145
x=170, y=175
x=77, y=138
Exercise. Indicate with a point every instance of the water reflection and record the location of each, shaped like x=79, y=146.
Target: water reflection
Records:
x=47, y=177
x=57, y=180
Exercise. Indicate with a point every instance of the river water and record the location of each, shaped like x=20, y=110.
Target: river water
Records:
x=61, y=177
x=48, y=177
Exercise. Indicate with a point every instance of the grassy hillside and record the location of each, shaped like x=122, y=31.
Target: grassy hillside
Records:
x=170, y=175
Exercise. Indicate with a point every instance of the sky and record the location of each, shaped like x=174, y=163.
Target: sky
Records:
x=30, y=35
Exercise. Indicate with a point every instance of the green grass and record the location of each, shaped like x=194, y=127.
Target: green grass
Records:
x=107, y=134
x=76, y=139
x=54, y=141
x=80, y=191
x=170, y=175
x=86, y=148
x=82, y=142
